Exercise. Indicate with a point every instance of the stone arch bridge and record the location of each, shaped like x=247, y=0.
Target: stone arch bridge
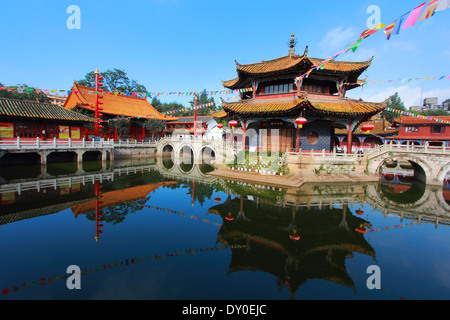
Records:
x=431, y=164
x=201, y=149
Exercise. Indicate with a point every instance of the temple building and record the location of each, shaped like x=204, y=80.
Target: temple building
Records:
x=382, y=130
x=116, y=105
x=206, y=126
x=29, y=120
x=279, y=95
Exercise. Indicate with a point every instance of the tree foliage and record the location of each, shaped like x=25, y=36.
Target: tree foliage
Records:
x=394, y=102
x=203, y=98
x=434, y=113
x=113, y=80
x=121, y=124
x=154, y=125
x=29, y=94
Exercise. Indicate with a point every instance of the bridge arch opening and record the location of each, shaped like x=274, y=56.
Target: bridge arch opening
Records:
x=55, y=157
x=167, y=151
x=403, y=193
x=207, y=154
x=20, y=158
x=186, y=154
x=29, y=166
x=167, y=163
x=406, y=168
x=186, y=159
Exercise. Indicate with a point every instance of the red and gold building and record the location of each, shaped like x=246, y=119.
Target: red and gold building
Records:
x=422, y=130
x=116, y=105
x=29, y=120
x=268, y=113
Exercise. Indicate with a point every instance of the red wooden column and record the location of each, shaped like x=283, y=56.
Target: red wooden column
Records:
x=244, y=141
x=143, y=134
x=349, y=138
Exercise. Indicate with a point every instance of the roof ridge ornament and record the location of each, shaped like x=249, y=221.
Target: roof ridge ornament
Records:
x=292, y=43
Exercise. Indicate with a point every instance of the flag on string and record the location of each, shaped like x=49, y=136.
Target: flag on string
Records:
x=388, y=30
x=367, y=33
x=429, y=10
x=444, y=4
x=412, y=19
x=355, y=45
x=399, y=23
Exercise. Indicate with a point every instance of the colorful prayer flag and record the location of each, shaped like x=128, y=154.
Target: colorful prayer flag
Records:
x=388, y=30
x=399, y=23
x=429, y=10
x=444, y=4
x=412, y=19
x=367, y=33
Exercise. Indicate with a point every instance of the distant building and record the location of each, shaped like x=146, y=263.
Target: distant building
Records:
x=430, y=104
x=421, y=130
x=59, y=101
x=446, y=105
x=184, y=127
x=367, y=140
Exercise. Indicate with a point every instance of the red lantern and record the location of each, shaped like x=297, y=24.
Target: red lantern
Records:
x=233, y=123
x=229, y=217
x=217, y=199
x=220, y=126
x=294, y=236
x=300, y=121
x=361, y=230
x=367, y=127
x=360, y=212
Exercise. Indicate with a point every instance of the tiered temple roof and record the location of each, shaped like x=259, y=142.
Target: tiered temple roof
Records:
x=114, y=105
x=294, y=63
x=335, y=107
x=37, y=110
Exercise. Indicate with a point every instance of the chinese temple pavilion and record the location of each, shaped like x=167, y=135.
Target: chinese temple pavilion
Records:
x=280, y=96
x=136, y=108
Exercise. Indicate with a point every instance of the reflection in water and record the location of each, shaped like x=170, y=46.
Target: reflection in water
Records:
x=297, y=236
x=294, y=245
x=406, y=191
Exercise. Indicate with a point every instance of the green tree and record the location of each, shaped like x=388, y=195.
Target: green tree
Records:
x=434, y=113
x=154, y=125
x=113, y=80
x=394, y=102
x=202, y=99
x=28, y=93
x=122, y=125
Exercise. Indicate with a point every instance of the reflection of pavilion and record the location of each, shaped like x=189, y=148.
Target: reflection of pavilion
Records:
x=113, y=198
x=294, y=246
x=116, y=197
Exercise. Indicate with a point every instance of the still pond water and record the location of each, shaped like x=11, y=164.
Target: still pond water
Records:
x=173, y=232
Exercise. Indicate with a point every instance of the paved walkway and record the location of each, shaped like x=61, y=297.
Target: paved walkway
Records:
x=290, y=181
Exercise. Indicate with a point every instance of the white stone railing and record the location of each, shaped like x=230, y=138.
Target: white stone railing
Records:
x=37, y=144
x=134, y=144
x=409, y=147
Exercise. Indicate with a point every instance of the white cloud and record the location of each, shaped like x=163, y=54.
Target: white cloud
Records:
x=411, y=96
x=338, y=38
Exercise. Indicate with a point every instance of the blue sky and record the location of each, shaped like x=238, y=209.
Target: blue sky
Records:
x=190, y=45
